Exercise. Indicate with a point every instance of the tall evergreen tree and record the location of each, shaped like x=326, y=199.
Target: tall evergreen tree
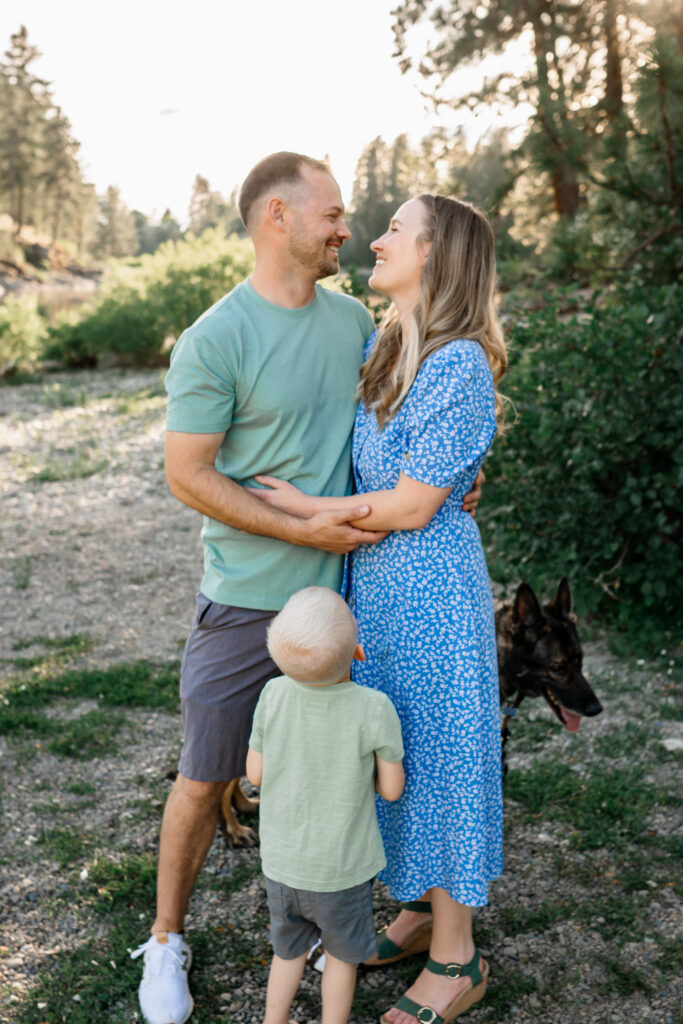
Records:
x=116, y=232
x=61, y=174
x=24, y=100
x=575, y=83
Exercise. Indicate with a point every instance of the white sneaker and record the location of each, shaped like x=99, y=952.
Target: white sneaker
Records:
x=164, y=994
x=316, y=956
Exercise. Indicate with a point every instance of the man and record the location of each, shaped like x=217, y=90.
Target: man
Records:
x=263, y=382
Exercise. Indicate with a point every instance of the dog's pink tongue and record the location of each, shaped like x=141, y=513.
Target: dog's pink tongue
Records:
x=571, y=720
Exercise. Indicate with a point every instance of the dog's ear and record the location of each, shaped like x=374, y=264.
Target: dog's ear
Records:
x=526, y=611
x=561, y=604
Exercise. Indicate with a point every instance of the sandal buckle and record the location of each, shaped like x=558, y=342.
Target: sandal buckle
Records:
x=452, y=971
x=426, y=1015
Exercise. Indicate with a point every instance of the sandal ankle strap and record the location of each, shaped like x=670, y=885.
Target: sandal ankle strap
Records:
x=452, y=970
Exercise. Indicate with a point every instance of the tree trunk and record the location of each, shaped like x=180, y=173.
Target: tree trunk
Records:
x=563, y=176
x=614, y=88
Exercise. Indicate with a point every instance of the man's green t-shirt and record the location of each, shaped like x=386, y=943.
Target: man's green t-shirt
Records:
x=317, y=821
x=280, y=382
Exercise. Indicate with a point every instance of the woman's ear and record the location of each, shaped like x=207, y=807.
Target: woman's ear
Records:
x=424, y=249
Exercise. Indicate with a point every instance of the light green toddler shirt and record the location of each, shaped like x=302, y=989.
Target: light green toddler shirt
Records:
x=318, y=825
x=280, y=382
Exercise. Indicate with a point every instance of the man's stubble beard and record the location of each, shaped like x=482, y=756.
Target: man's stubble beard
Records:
x=313, y=256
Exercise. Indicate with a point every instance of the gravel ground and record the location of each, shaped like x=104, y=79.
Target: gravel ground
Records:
x=114, y=557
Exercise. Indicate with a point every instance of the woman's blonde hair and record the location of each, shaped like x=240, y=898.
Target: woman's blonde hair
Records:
x=313, y=638
x=456, y=301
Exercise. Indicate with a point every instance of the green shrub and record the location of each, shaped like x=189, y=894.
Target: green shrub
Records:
x=587, y=482
x=22, y=332
x=144, y=303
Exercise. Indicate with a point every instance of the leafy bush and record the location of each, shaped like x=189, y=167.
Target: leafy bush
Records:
x=142, y=304
x=22, y=333
x=587, y=482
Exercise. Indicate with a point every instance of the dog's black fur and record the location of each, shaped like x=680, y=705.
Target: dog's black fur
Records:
x=539, y=655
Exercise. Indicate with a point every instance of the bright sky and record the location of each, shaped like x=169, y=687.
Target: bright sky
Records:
x=157, y=92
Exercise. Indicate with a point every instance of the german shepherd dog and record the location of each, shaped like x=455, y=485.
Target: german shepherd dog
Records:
x=539, y=655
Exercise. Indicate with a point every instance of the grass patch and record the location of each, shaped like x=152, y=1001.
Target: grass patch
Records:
x=623, y=917
x=21, y=569
x=81, y=788
x=605, y=808
x=671, y=960
x=672, y=711
x=241, y=875
x=103, y=976
x=90, y=735
x=623, y=742
x=622, y=978
x=519, y=920
x=85, y=464
x=129, y=684
x=75, y=643
x=57, y=651
x=528, y=734
x=61, y=396
x=146, y=400
x=64, y=845
x=19, y=378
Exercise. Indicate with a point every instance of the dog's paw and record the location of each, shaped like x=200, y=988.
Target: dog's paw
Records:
x=240, y=835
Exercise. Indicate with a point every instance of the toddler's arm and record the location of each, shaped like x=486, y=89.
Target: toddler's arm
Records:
x=390, y=778
x=254, y=767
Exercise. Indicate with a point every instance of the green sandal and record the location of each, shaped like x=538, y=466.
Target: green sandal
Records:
x=388, y=952
x=461, y=1003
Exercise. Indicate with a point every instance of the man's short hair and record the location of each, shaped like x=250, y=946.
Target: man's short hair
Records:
x=271, y=173
x=314, y=637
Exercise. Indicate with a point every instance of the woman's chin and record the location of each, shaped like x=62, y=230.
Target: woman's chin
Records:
x=374, y=284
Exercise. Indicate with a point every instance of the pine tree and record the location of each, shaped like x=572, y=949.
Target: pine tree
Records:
x=61, y=174
x=25, y=101
x=116, y=230
x=580, y=52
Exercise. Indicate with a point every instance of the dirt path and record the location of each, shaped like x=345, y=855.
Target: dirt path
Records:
x=94, y=547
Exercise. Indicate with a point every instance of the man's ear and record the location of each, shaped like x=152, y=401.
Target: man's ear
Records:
x=276, y=209
x=359, y=653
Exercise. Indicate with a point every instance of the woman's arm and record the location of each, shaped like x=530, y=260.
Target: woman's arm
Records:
x=390, y=778
x=254, y=767
x=194, y=480
x=409, y=506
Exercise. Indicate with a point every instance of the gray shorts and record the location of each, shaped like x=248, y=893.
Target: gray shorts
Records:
x=342, y=920
x=225, y=666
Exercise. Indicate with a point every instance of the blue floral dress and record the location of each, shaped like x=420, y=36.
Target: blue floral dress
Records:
x=425, y=612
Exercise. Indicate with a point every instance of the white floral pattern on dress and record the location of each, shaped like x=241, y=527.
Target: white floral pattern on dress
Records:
x=425, y=611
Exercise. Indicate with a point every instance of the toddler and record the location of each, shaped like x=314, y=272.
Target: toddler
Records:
x=320, y=746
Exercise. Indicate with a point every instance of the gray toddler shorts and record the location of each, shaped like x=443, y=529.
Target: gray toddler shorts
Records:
x=225, y=666
x=342, y=920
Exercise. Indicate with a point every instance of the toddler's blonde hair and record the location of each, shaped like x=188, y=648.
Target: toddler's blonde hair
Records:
x=313, y=638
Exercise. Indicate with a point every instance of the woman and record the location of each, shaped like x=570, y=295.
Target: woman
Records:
x=426, y=419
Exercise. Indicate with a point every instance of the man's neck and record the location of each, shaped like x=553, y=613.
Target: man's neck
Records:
x=282, y=287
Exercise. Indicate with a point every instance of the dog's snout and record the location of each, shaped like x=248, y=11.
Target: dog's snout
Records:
x=593, y=707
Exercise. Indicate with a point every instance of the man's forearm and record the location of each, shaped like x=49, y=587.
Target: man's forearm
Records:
x=220, y=498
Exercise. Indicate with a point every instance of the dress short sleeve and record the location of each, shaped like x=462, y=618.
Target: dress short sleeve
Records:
x=450, y=415
x=200, y=386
